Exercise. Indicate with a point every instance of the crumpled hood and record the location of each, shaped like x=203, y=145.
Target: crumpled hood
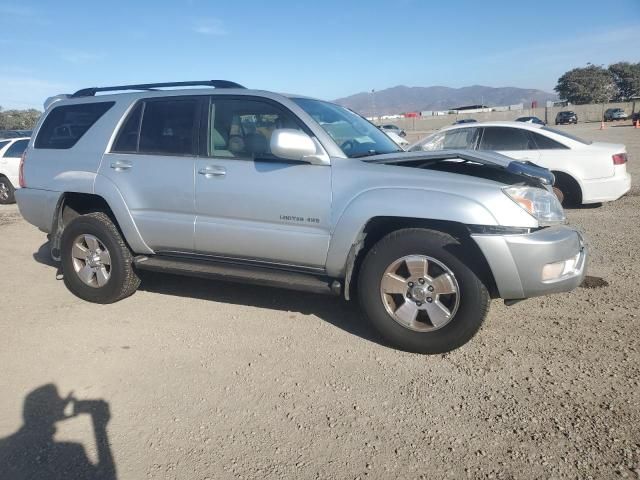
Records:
x=425, y=158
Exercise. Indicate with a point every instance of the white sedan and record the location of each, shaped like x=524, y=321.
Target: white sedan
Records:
x=11, y=150
x=402, y=143
x=586, y=172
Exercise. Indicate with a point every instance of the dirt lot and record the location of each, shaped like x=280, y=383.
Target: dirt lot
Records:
x=209, y=380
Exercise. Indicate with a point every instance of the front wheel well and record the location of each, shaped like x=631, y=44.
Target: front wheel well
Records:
x=379, y=227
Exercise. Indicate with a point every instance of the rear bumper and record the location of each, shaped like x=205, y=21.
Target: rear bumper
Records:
x=517, y=261
x=605, y=189
x=38, y=206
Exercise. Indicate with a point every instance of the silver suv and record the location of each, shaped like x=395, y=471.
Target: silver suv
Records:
x=257, y=187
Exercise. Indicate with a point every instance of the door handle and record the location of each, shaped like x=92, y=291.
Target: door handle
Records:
x=120, y=165
x=213, y=171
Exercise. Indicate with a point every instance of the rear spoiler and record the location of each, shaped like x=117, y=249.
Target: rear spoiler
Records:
x=56, y=98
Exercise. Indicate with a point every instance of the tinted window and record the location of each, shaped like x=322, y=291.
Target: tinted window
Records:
x=168, y=127
x=243, y=128
x=545, y=143
x=127, y=140
x=504, y=138
x=17, y=149
x=65, y=125
x=3, y=144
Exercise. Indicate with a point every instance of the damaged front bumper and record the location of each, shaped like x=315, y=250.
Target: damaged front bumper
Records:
x=550, y=260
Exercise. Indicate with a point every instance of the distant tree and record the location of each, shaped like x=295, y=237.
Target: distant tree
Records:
x=627, y=79
x=591, y=84
x=18, y=119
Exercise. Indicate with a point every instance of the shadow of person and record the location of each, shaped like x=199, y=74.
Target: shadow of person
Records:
x=32, y=452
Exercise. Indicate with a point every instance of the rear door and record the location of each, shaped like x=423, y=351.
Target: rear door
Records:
x=251, y=204
x=152, y=164
x=516, y=143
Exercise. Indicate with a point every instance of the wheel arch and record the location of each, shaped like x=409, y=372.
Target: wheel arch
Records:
x=380, y=226
x=568, y=179
x=73, y=204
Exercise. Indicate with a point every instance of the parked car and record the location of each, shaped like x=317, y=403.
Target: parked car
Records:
x=530, y=120
x=4, y=134
x=397, y=139
x=612, y=114
x=585, y=172
x=566, y=117
x=393, y=128
x=10, y=152
x=293, y=192
x=464, y=120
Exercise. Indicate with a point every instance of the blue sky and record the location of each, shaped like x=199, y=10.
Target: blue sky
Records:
x=326, y=49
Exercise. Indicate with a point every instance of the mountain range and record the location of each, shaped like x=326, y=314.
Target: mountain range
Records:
x=402, y=99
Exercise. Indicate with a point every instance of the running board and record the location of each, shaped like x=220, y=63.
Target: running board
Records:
x=234, y=272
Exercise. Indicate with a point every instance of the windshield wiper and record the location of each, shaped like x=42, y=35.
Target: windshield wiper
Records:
x=371, y=153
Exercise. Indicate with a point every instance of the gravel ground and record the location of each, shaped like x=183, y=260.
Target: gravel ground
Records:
x=206, y=380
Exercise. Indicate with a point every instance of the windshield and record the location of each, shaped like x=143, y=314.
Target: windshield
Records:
x=355, y=136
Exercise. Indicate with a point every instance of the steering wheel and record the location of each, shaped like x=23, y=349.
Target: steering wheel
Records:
x=347, y=146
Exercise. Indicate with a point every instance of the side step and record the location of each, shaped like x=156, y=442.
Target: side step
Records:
x=234, y=272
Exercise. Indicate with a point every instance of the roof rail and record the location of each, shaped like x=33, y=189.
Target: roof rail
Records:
x=91, y=91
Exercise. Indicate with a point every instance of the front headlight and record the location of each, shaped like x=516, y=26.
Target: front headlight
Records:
x=539, y=203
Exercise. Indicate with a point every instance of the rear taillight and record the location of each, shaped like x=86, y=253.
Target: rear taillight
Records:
x=619, y=158
x=21, y=170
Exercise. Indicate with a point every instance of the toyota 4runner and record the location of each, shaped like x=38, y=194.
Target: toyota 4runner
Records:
x=284, y=190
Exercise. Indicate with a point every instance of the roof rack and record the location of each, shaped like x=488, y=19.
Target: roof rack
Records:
x=91, y=91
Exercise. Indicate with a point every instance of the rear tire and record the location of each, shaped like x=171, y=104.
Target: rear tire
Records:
x=430, y=330
x=96, y=262
x=569, y=189
x=7, y=192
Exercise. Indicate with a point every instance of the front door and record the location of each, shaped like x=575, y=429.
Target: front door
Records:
x=152, y=164
x=251, y=204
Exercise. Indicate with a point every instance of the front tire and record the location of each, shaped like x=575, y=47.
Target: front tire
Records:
x=419, y=295
x=96, y=262
x=7, y=192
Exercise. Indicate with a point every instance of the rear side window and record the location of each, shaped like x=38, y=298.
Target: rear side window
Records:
x=546, y=143
x=169, y=127
x=4, y=144
x=506, y=139
x=164, y=127
x=17, y=149
x=65, y=125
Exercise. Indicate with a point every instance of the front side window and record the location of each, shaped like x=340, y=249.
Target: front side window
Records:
x=17, y=149
x=242, y=128
x=355, y=136
x=506, y=139
x=65, y=125
x=458, y=139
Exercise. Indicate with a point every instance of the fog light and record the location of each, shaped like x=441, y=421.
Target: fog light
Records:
x=553, y=271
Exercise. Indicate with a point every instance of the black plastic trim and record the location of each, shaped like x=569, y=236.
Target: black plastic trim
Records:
x=91, y=91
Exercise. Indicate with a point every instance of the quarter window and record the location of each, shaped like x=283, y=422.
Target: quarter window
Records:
x=17, y=149
x=241, y=128
x=65, y=125
x=506, y=139
x=127, y=140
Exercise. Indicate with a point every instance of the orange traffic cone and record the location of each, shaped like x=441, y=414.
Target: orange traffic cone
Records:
x=636, y=124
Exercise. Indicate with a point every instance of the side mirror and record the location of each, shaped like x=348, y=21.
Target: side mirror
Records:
x=293, y=144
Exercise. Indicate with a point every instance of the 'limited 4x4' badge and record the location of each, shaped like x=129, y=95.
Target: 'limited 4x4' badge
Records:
x=295, y=218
